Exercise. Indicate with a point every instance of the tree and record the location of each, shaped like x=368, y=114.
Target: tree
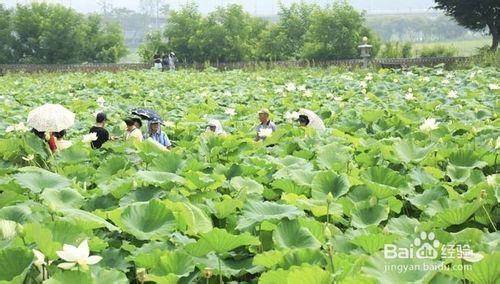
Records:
x=6, y=52
x=105, y=41
x=335, y=33
x=475, y=15
x=154, y=44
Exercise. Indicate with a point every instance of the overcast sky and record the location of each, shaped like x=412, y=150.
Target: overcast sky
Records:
x=258, y=7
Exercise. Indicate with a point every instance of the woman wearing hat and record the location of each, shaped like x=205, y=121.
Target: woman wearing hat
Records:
x=155, y=133
x=133, y=132
x=215, y=126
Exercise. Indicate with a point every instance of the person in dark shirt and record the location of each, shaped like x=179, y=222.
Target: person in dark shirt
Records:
x=100, y=131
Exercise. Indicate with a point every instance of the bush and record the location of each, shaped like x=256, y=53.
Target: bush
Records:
x=438, y=51
x=395, y=49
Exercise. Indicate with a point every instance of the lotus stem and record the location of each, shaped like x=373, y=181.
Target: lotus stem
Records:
x=489, y=217
x=220, y=270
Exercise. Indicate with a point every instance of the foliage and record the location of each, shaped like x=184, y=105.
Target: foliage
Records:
x=300, y=207
x=395, y=49
x=477, y=15
x=438, y=51
x=49, y=33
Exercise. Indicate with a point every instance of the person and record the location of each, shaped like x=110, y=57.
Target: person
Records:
x=49, y=138
x=215, y=126
x=172, y=59
x=61, y=144
x=101, y=132
x=303, y=120
x=164, y=62
x=132, y=131
x=266, y=126
x=155, y=133
x=157, y=62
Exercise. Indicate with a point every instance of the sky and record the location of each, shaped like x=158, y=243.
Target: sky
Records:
x=256, y=7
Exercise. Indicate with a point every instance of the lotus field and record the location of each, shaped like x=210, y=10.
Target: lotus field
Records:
x=401, y=187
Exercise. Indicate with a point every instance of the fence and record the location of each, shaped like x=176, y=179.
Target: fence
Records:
x=348, y=63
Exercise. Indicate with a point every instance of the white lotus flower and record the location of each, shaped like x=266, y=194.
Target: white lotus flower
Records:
x=291, y=115
x=472, y=75
x=363, y=91
x=439, y=72
x=29, y=157
x=336, y=98
x=494, y=87
x=368, y=77
x=230, y=111
x=363, y=84
x=265, y=132
x=290, y=87
x=395, y=80
x=491, y=180
x=429, y=124
x=20, y=127
x=227, y=94
x=169, y=124
x=100, y=101
x=308, y=93
x=449, y=76
x=452, y=94
x=425, y=79
x=280, y=90
x=39, y=258
x=497, y=143
x=301, y=88
x=445, y=81
x=87, y=138
x=410, y=90
x=409, y=96
x=472, y=256
x=77, y=255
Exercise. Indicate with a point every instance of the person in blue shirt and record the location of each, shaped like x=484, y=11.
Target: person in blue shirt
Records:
x=155, y=133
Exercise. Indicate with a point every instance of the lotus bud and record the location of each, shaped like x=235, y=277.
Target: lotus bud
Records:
x=329, y=249
x=385, y=231
x=327, y=233
x=20, y=230
x=207, y=273
x=483, y=194
x=329, y=197
x=141, y=275
x=134, y=183
x=52, y=207
x=373, y=201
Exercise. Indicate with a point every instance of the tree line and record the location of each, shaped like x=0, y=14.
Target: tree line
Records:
x=230, y=34
x=43, y=33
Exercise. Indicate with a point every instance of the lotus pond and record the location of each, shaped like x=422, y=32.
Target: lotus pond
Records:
x=402, y=187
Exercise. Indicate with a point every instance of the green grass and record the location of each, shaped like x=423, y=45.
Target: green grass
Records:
x=465, y=47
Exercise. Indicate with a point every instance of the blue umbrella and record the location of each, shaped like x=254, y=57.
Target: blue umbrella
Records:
x=148, y=114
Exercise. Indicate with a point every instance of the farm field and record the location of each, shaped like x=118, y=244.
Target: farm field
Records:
x=466, y=47
x=403, y=185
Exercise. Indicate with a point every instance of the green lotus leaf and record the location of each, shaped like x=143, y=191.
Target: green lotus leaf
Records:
x=329, y=182
x=297, y=275
x=177, y=263
x=220, y=241
x=458, y=174
x=387, y=270
x=301, y=256
x=158, y=178
x=90, y=220
x=467, y=159
x=362, y=218
x=372, y=243
x=112, y=166
x=257, y=211
x=36, y=179
x=485, y=271
x=290, y=234
x=247, y=184
x=63, y=198
x=114, y=258
x=402, y=225
x=289, y=186
x=169, y=279
x=270, y=258
x=333, y=157
x=419, y=177
x=190, y=218
x=421, y=201
x=226, y=207
x=70, y=276
x=142, y=194
x=229, y=266
x=198, y=180
x=167, y=162
x=455, y=213
x=14, y=264
x=17, y=213
x=100, y=275
x=7, y=229
x=148, y=221
x=408, y=151
x=384, y=182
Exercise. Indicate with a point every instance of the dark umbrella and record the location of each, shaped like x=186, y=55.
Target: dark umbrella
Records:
x=148, y=114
